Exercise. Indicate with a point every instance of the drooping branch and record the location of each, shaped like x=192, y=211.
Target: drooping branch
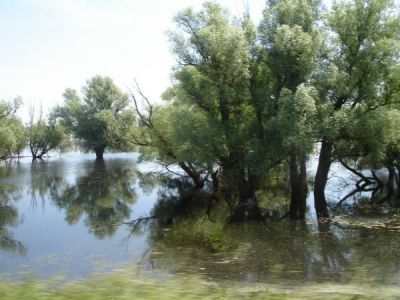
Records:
x=147, y=121
x=139, y=220
x=355, y=172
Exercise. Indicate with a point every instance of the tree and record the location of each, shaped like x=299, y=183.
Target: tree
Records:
x=44, y=136
x=211, y=99
x=12, y=132
x=157, y=141
x=100, y=118
x=231, y=97
x=248, y=101
x=212, y=90
x=291, y=44
x=356, y=74
x=360, y=151
x=296, y=124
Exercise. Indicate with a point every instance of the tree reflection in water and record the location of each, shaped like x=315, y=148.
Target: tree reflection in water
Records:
x=9, y=217
x=104, y=197
x=289, y=252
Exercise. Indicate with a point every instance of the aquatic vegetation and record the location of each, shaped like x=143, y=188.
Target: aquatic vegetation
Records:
x=127, y=284
x=203, y=233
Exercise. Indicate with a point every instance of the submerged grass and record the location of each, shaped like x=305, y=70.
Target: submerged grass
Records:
x=127, y=284
x=201, y=232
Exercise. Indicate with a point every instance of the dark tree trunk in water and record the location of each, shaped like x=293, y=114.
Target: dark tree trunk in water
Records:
x=193, y=174
x=397, y=177
x=390, y=184
x=99, y=152
x=215, y=185
x=321, y=178
x=247, y=208
x=393, y=194
x=35, y=158
x=299, y=189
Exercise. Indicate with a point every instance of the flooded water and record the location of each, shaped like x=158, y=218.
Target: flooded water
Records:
x=67, y=216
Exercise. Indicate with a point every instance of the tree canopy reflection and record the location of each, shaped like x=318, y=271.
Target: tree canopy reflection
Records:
x=9, y=217
x=103, y=196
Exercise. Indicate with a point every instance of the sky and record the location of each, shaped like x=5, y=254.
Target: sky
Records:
x=49, y=45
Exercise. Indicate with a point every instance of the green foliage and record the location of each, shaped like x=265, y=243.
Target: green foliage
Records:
x=12, y=133
x=44, y=138
x=359, y=85
x=217, y=81
x=296, y=119
x=8, y=109
x=100, y=118
x=363, y=55
x=373, y=136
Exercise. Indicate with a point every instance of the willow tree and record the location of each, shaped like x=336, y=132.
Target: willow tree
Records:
x=44, y=135
x=211, y=94
x=160, y=142
x=296, y=124
x=12, y=132
x=242, y=106
x=356, y=72
x=291, y=44
x=381, y=151
x=100, y=118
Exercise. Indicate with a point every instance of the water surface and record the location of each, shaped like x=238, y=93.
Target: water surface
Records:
x=67, y=216
x=64, y=216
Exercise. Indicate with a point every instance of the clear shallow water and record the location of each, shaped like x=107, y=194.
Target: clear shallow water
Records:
x=65, y=216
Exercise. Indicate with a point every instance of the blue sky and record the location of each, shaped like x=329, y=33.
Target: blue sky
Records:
x=49, y=45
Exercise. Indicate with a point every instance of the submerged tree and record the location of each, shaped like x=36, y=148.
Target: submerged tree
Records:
x=356, y=73
x=243, y=102
x=44, y=136
x=155, y=137
x=12, y=132
x=291, y=45
x=211, y=94
x=244, y=106
x=210, y=97
x=99, y=119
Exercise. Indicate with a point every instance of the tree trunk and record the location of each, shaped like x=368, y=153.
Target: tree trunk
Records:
x=193, y=174
x=99, y=152
x=393, y=195
x=397, y=178
x=390, y=183
x=215, y=185
x=247, y=208
x=299, y=189
x=321, y=178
